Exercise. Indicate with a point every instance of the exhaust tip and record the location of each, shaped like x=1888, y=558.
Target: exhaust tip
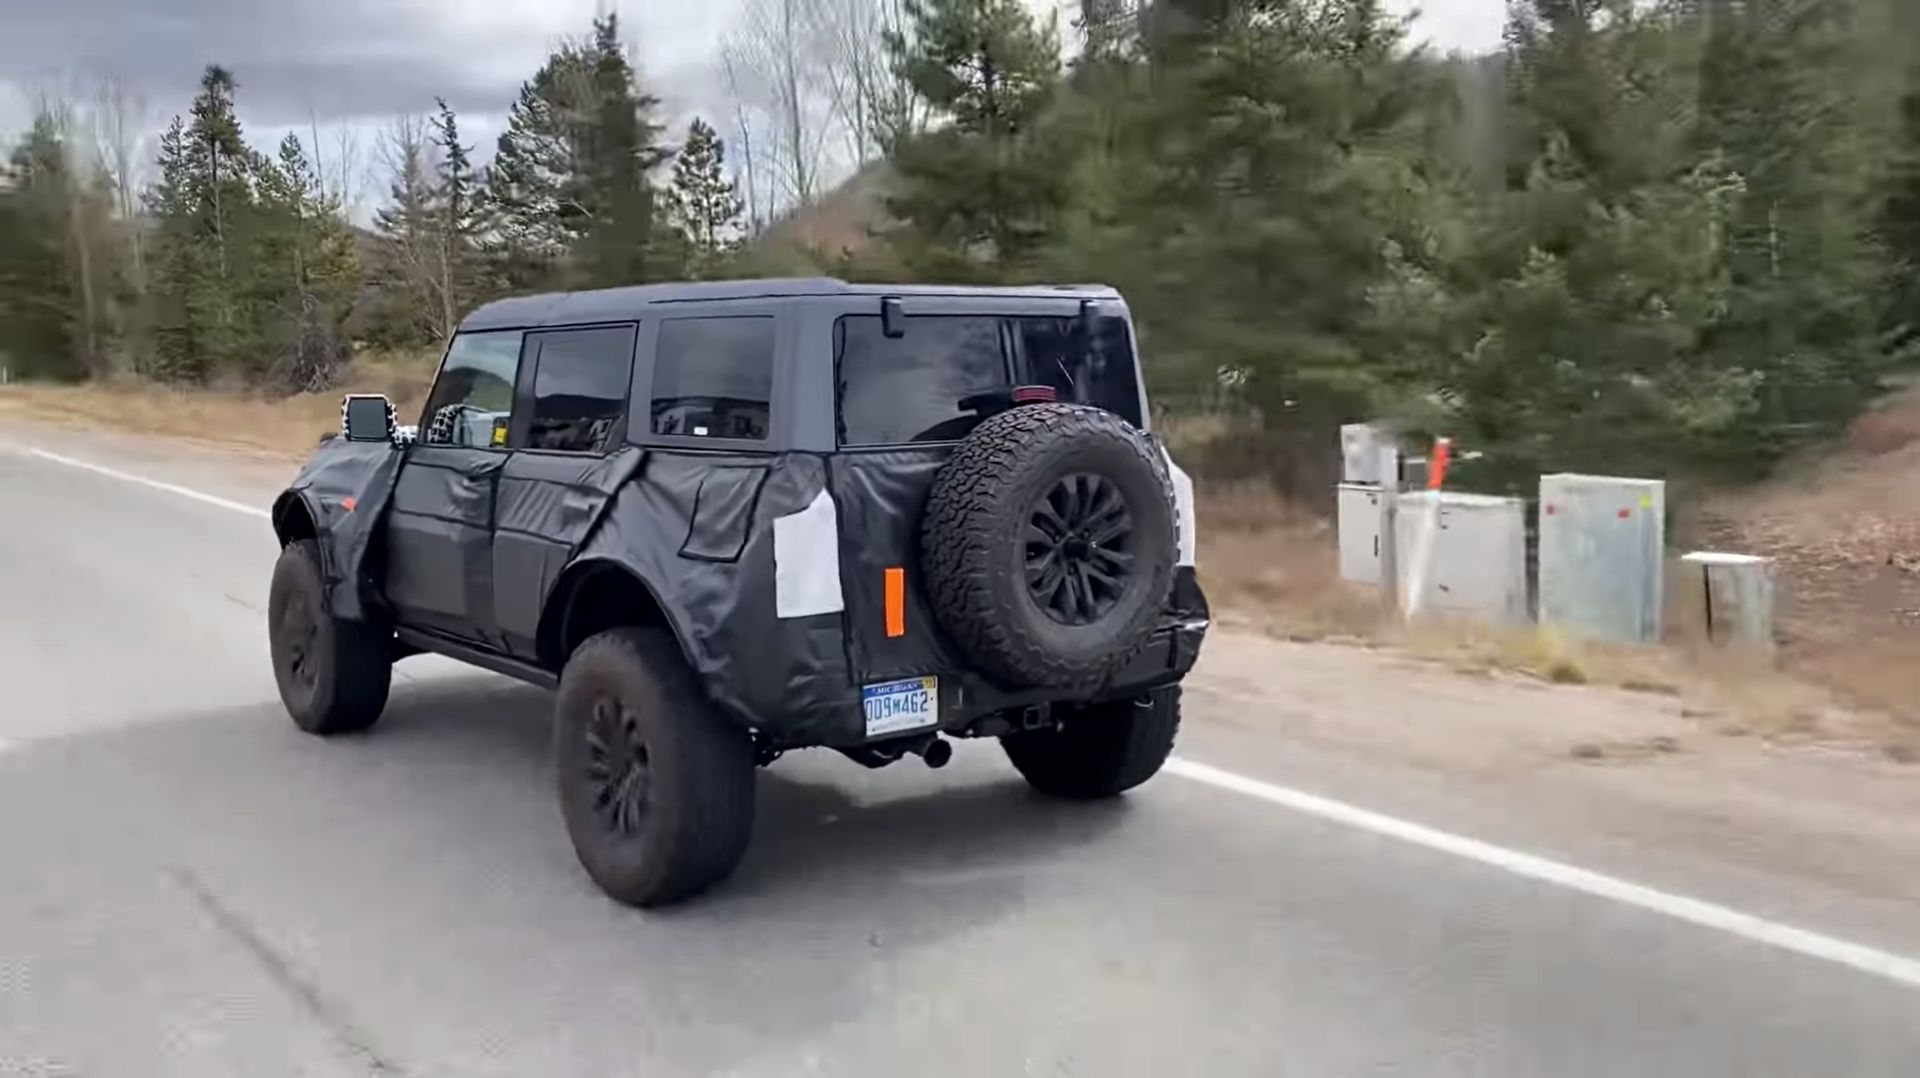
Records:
x=937, y=753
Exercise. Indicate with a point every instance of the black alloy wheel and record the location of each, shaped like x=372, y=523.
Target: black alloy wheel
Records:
x=618, y=768
x=1079, y=549
x=300, y=642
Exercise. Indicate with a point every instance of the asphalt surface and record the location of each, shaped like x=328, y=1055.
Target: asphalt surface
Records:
x=192, y=887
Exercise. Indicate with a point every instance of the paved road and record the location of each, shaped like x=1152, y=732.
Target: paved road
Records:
x=191, y=887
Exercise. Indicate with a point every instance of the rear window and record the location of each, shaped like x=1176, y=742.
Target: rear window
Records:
x=936, y=383
x=895, y=390
x=1098, y=372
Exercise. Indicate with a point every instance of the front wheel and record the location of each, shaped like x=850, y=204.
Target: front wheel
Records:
x=1100, y=749
x=333, y=674
x=656, y=786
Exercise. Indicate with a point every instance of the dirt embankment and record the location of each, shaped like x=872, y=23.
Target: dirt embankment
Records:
x=1844, y=530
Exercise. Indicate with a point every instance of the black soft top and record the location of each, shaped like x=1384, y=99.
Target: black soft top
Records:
x=622, y=304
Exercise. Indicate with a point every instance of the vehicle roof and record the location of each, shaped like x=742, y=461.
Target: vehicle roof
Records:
x=620, y=304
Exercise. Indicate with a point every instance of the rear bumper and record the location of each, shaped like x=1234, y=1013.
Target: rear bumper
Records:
x=967, y=698
x=1166, y=658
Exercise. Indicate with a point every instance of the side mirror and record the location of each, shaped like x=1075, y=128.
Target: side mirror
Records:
x=893, y=317
x=367, y=417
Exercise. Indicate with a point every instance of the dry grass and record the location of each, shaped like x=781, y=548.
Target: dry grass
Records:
x=1269, y=564
x=288, y=426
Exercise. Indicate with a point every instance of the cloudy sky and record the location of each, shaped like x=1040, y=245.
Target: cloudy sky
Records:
x=350, y=64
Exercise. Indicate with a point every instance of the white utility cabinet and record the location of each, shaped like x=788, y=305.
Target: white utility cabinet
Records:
x=1479, y=555
x=1359, y=517
x=1603, y=555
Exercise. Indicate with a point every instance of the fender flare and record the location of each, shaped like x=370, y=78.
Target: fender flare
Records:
x=557, y=607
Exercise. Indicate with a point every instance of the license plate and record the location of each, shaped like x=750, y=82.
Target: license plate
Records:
x=894, y=706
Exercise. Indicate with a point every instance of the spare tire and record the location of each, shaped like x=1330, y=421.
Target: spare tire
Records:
x=1048, y=545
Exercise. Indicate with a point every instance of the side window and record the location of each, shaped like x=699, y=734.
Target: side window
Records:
x=472, y=400
x=920, y=387
x=713, y=378
x=580, y=379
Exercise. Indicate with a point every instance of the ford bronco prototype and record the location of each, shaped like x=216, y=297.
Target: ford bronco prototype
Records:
x=728, y=520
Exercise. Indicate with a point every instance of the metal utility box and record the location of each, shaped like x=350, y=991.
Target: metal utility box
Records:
x=1369, y=453
x=1479, y=555
x=1359, y=518
x=1603, y=555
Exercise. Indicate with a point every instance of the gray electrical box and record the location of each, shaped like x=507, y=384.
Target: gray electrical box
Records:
x=1478, y=559
x=1360, y=519
x=1603, y=555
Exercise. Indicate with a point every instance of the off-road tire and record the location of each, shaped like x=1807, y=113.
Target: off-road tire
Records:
x=1100, y=749
x=974, y=535
x=694, y=813
x=333, y=674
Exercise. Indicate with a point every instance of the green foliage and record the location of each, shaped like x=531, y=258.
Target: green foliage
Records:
x=37, y=298
x=570, y=199
x=704, y=203
x=981, y=188
x=1663, y=249
x=253, y=265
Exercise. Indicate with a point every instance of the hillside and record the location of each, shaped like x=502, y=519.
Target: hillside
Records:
x=1845, y=530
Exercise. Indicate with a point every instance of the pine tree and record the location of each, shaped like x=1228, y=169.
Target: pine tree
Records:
x=174, y=260
x=1785, y=102
x=706, y=205
x=981, y=193
x=307, y=273
x=617, y=153
x=570, y=192
x=37, y=300
x=458, y=286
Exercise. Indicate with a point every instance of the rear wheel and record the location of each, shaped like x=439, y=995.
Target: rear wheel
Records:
x=1100, y=749
x=333, y=674
x=656, y=786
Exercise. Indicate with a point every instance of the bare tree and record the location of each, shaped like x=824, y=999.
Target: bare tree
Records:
x=778, y=75
x=344, y=178
x=872, y=106
x=119, y=129
x=415, y=261
x=747, y=118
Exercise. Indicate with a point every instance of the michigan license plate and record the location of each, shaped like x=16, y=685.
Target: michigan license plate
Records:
x=894, y=706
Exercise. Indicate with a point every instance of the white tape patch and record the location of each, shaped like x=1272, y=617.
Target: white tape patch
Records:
x=1893, y=967
x=170, y=488
x=806, y=561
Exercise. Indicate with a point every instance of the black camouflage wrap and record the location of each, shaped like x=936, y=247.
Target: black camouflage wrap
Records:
x=343, y=490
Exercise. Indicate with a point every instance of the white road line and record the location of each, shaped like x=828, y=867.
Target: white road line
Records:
x=1893, y=967
x=1693, y=911
x=170, y=488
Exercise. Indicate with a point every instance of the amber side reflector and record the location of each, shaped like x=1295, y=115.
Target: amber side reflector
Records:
x=896, y=602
